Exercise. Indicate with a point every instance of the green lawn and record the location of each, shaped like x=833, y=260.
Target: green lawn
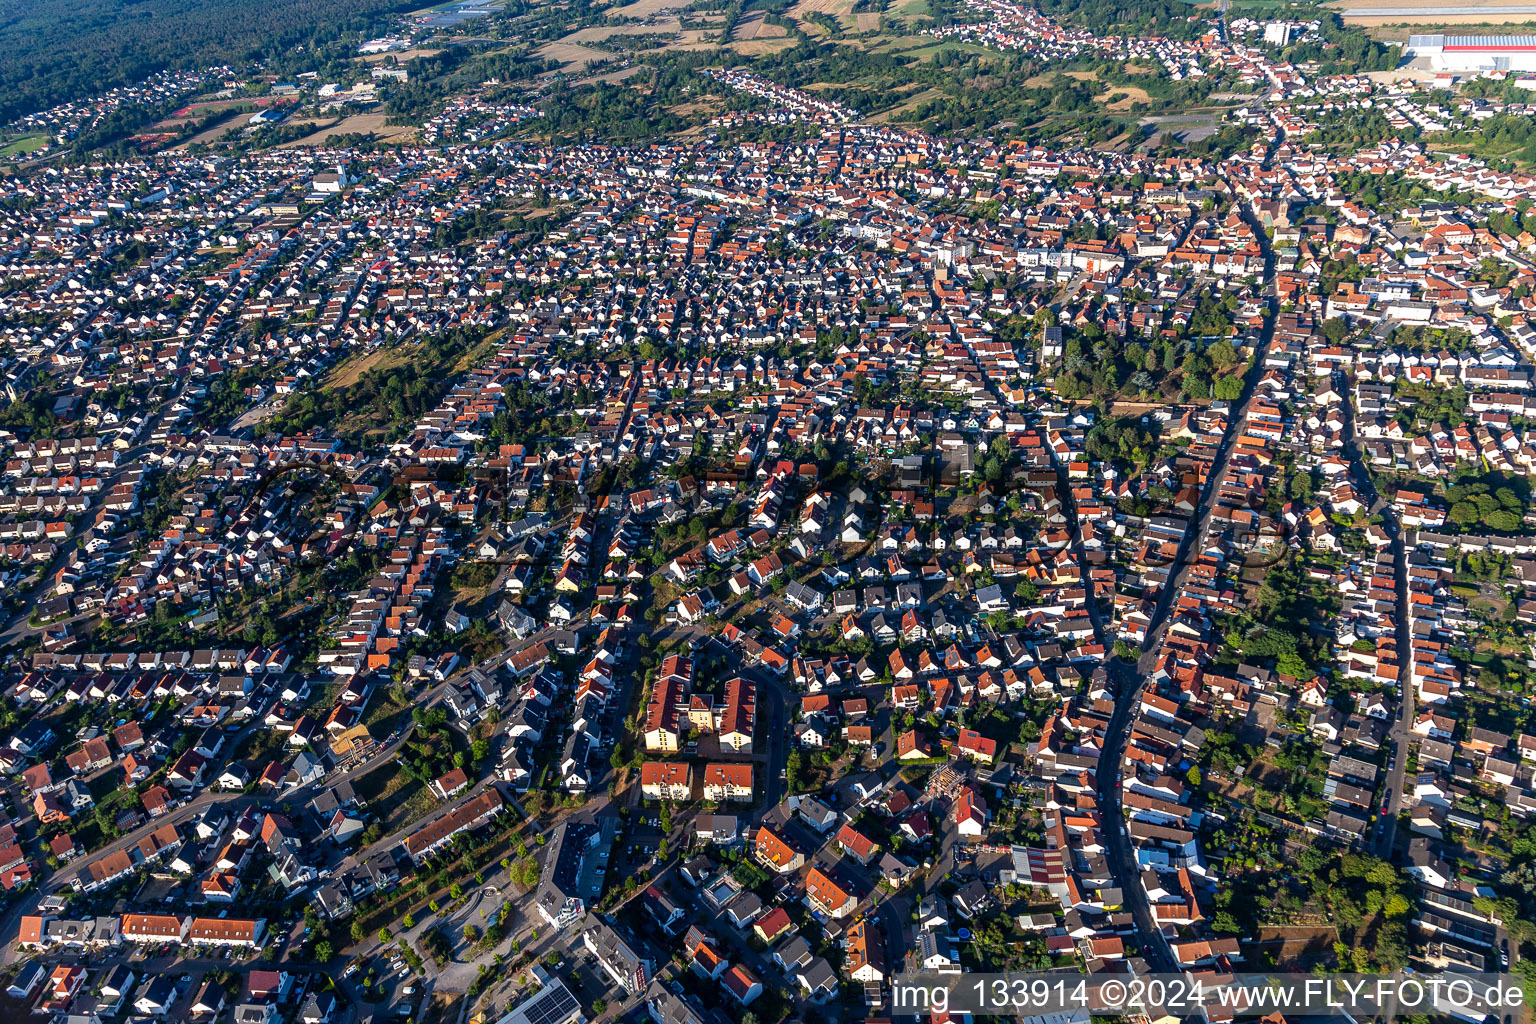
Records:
x=926, y=51
x=24, y=145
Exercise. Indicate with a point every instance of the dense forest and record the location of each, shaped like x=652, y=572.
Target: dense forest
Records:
x=1168, y=18
x=59, y=50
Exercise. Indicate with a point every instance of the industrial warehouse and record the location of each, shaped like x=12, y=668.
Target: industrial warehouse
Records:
x=1475, y=53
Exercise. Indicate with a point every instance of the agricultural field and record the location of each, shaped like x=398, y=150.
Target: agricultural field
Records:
x=355, y=124
x=1372, y=14
x=648, y=8
x=573, y=55
x=754, y=27
x=1396, y=30
x=218, y=131
x=597, y=34
x=840, y=11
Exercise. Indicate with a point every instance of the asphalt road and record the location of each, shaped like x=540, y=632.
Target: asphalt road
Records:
x=1131, y=683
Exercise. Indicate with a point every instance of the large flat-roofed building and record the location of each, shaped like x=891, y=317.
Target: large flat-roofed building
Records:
x=1475, y=53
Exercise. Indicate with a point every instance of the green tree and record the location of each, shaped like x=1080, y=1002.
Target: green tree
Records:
x=1222, y=354
x=1227, y=389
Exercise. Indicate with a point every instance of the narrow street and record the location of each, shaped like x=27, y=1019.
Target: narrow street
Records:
x=1392, y=805
x=1130, y=683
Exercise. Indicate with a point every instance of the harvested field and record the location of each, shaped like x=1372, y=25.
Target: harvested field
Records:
x=1398, y=32
x=754, y=27
x=1457, y=21
x=804, y=8
x=572, y=54
x=867, y=21
x=602, y=33
x=218, y=131
x=1377, y=13
x=648, y=8
x=839, y=10
x=361, y=124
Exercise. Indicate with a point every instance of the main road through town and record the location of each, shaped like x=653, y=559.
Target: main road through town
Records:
x=1131, y=681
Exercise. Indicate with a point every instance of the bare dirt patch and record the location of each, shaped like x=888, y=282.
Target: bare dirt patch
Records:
x=443, y=1008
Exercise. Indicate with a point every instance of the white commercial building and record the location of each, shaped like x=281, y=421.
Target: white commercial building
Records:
x=1475, y=53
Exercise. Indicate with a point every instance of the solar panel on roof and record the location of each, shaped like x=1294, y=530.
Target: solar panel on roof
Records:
x=553, y=1004
x=1490, y=41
